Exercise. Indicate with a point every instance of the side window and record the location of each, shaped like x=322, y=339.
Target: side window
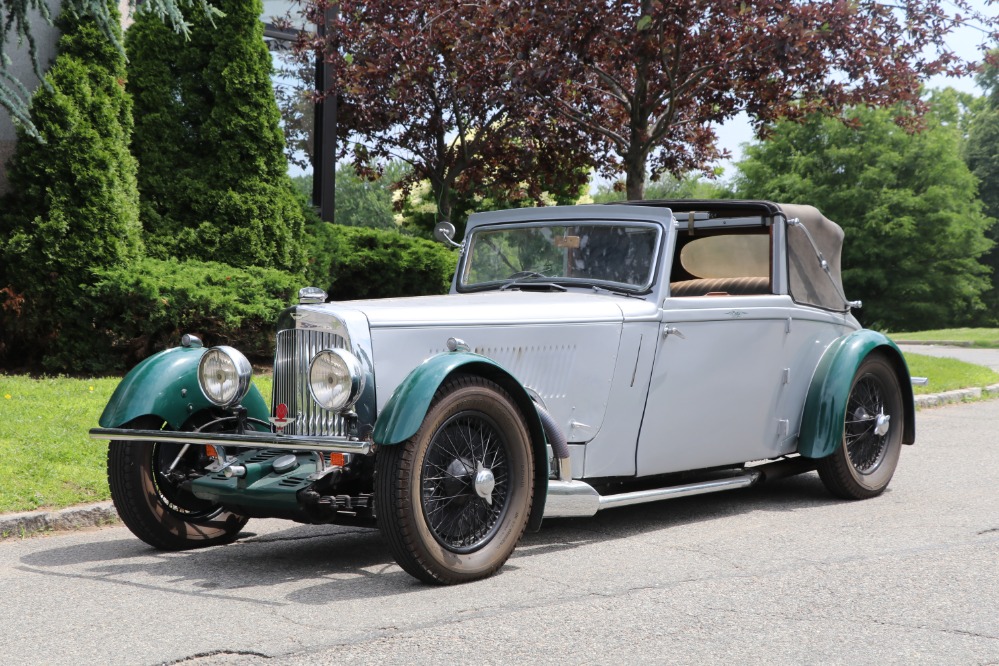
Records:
x=732, y=262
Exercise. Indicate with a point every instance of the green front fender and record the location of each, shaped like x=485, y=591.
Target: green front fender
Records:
x=408, y=406
x=166, y=385
x=825, y=404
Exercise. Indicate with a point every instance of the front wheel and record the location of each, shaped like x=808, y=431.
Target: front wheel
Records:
x=454, y=499
x=150, y=500
x=872, y=434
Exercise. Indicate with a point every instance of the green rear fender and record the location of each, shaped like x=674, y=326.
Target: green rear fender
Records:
x=166, y=385
x=408, y=406
x=825, y=405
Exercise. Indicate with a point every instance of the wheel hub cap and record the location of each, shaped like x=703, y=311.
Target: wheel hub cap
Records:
x=882, y=424
x=484, y=484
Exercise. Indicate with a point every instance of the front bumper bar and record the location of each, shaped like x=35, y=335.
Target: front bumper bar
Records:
x=257, y=440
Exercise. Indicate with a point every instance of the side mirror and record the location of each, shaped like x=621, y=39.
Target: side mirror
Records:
x=444, y=233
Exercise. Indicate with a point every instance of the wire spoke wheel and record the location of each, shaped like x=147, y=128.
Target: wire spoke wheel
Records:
x=454, y=499
x=872, y=433
x=458, y=512
x=146, y=481
x=866, y=409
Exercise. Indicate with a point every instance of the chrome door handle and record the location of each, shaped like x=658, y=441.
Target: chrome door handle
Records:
x=672, y=330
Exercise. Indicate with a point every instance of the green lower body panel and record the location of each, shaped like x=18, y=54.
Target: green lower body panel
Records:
x=258, y=487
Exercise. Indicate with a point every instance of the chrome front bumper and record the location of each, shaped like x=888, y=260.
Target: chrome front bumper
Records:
x=257, y=440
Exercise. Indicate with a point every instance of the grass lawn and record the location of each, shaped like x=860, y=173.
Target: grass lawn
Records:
x=973, y=337
x=49, y=461
x=947, y=374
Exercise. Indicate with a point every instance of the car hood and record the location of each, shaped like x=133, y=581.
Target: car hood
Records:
x=501, y=308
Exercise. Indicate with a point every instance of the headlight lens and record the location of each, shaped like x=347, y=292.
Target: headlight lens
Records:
x=335, y=379
x=224, y=375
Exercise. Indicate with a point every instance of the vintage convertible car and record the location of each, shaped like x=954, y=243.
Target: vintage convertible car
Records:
x=587, y=357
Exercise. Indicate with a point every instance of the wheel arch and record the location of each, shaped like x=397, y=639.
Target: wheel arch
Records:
x=821, y=432
x=165, y=385
x=405, y=410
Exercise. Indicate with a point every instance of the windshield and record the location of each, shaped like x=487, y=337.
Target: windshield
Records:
x=617, y=255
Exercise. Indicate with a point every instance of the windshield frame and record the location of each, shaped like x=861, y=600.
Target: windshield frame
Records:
x=570, y=282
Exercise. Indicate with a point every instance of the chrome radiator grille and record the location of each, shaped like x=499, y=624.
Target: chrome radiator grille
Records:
x=295, y=348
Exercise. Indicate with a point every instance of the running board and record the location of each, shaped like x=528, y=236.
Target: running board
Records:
x=568, y=499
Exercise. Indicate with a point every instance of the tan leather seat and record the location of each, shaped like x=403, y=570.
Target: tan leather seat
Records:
x=737, y=286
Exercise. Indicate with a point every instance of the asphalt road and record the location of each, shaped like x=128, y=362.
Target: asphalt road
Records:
x=778, y=574
x=987, y=357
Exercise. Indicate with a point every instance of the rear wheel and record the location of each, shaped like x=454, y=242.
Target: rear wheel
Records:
x=151, y=502
x=454, y=499
x=872, y=434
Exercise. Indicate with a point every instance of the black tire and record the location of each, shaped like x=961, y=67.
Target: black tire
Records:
x=158, y=511
x=472, y=425
x=865, y=462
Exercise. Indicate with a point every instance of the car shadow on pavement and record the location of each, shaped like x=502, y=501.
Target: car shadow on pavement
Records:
x=327, y=564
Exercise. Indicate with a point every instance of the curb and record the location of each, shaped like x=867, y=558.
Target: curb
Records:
x=28, y=523
x=20, y=525
x=959, y=395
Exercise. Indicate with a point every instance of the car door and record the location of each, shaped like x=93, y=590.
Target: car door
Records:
x=717, y=391
x=716, y=385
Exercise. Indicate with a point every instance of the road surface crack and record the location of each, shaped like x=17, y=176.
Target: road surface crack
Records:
x=217, y=653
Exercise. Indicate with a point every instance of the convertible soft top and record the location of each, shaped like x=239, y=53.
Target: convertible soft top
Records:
x=810, y=281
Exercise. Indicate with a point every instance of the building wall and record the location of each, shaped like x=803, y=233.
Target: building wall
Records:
x=46, y=37
x=20, y=66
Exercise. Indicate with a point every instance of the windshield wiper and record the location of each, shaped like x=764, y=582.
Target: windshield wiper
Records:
x=532, y=281
x=617, y=292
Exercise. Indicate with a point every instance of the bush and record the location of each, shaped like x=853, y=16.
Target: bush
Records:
x=73, y=204
x=212, y=170
x=358, y=262
x=139, y=312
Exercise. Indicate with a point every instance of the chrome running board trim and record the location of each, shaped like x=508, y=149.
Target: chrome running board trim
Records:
x=568, y=499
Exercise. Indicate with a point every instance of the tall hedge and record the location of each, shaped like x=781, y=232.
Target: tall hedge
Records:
x=73, y=203
x=212, y=171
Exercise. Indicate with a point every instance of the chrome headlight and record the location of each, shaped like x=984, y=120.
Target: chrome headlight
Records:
x=224, y=376
x=335, y=379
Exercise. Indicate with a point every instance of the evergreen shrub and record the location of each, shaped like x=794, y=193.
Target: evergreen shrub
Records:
x=361, y=262
x=142, y=311
x=212, y=169
x=73, y=204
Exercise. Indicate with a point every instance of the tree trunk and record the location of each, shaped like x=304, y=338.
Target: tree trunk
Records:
x=634, y=165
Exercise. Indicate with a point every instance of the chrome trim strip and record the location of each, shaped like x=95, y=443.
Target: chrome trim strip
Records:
x=259, y=440
x=567, y=499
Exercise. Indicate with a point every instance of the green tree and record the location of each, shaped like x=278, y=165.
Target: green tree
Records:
x=914, y=227
x=982, y=156
x=212, y=170
x=73, y=205
x=693, y=186
x=367, y=202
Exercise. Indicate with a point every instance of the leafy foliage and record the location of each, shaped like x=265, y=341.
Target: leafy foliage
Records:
x=647, y=80
x=73, y=205
x=367, y=201
x=147, y=308
x=914, y=227
x=433, y=84
x=982, y=156
x=692, y=186
x=358, y=262
x=212, y=172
